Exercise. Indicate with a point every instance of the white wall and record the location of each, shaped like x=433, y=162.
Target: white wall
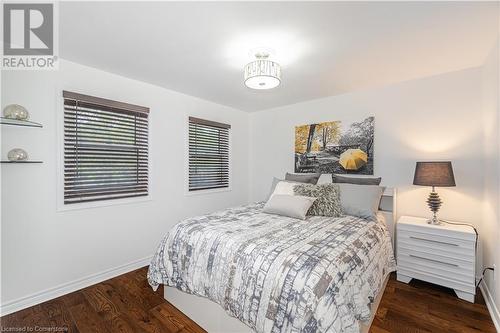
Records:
x=44, y=248
x=435, y=118
x=491, y=200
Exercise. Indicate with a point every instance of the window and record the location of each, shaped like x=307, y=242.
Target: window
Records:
x=105, y=149
x=208, y=154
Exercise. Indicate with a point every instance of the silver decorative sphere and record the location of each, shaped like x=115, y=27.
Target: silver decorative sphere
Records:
x=16, y=111
x=17, y=154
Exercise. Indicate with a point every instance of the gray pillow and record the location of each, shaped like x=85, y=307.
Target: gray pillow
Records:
x=311, y=178
x=327, y=198
x=295, y=206
x=356, y=180
x=360, y=200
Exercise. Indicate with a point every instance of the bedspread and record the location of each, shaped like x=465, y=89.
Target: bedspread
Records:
x=278, y=274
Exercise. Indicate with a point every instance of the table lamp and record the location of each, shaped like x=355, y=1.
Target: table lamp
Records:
x=435, y=174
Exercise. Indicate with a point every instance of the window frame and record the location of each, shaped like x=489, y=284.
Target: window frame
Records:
x=61, y=206
x=187, y=191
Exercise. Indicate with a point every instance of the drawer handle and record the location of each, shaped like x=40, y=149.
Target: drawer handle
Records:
x=433, y=241
x=434, y=260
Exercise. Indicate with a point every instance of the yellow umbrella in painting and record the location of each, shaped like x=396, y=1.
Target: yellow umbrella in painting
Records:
x=353, y=159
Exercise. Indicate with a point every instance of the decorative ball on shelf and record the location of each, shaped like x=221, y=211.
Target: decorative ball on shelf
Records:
x=16, y=111
x=17, y=154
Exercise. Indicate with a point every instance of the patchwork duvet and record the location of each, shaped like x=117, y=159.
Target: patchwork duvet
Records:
x=279, y=274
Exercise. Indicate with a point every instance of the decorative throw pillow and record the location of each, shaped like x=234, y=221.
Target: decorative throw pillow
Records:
x=327, y=198
x=311, y=178
x=295, y=206
x=356, y=180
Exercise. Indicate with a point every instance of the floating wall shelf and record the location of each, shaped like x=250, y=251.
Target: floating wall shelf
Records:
x=20, y=162
x=16, y=122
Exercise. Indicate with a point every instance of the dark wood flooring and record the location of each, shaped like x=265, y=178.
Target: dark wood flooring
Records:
x=127, y=304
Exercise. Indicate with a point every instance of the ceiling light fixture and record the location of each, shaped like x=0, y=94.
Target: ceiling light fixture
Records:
x=262, y=73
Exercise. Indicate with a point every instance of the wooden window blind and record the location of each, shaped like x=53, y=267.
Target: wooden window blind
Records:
x=208, y=154
x=105, y=149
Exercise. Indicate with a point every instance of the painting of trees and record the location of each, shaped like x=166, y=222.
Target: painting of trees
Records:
x=318, y=147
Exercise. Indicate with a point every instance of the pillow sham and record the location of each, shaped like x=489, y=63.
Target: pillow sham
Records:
x=360, y=200
x=295, y=206
x=327, y=198
x=311, y=178
x=356, y=180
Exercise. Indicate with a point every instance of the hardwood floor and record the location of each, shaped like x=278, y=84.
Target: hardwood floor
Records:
x=424, y=307
x=127, y=304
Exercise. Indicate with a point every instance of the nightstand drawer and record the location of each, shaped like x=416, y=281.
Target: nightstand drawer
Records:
x=439, y=245
x=452, y=262
x=436, y=239
x=457, y=270
x=440, y=231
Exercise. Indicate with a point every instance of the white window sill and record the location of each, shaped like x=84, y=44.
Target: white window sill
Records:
x=104, y=203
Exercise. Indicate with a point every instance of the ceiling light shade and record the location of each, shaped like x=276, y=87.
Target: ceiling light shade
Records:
x=262, y=73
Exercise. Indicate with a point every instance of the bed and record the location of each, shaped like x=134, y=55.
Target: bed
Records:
x=242, y=270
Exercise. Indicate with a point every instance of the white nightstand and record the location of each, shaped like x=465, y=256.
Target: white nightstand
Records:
x=442, y=254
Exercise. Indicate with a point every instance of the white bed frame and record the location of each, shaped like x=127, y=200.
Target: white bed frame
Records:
x=214, y=319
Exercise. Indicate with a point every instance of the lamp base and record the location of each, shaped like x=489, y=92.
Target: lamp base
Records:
x=434, y=221
x=434, y=202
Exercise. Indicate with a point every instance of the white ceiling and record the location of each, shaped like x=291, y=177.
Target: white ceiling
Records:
x=325, y=48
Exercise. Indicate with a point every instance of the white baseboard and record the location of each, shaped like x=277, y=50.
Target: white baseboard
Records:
x=66, y=288
x=490, y=303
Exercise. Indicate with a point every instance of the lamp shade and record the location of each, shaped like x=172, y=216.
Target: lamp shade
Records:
x=434, y=174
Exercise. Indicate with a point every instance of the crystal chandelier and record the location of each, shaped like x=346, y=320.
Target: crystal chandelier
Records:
x=262, y=73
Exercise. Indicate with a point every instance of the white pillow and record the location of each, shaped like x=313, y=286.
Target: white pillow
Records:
x=325, y=178
x=274, y=183
x=284, y=188
x=295, y=206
